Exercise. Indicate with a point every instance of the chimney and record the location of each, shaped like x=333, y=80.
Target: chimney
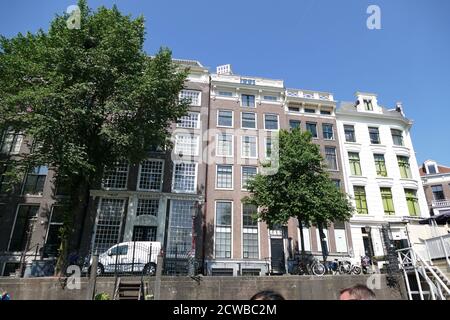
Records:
x=399, y=108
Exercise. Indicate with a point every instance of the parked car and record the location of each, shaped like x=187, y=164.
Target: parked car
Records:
x=129, y=257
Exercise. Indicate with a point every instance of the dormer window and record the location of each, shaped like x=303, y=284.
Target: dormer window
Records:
x=368, y=105
x=431, y=168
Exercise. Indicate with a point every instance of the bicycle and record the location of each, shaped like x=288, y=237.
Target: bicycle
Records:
x=308, y=265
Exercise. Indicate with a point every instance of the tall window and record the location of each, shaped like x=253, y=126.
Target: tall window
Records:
x=250, y=241
x=403, y=165
x=412, y=202
x=191, y=120
x=388, y=202
x=247, y=174
x=340, y=237
x=360, y=200
x=268, y=147
x=249, y=148
x=11, y=142
x=312, y=128
x=223, y=229
x=224, y=145
x=271, y=122
x=144, y=233
x=431, y=168
x=225, y=118
x=34, y=183
x=438, y=192
x=186, y=144
x=327, y=130
x=397, y=137
x=355, y=165
x=53, y=240
x=248, y=120
x=147, y=207
x=185, y=174
x=368, y=105
x=294, y=124
x=194, y=97
x=224, y=176
x=349, y=133
x=380, y=165
x=179, y=239
x=116, y=177
x=107, y=228
x=374, y=135
x=23, y=227
x=319, y=242
x=248, y=100
x=330, y=156
x=150, y=175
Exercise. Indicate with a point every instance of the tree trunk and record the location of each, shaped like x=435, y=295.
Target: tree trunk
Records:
x=323, y=243
x=302, y=239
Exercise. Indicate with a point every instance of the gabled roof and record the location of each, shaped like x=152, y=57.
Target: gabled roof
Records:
x=442, y=169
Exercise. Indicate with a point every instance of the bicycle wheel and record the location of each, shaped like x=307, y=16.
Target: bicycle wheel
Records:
x=356, y=270
x=318, y=269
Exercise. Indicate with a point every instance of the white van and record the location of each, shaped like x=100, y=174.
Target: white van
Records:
x=132, y=256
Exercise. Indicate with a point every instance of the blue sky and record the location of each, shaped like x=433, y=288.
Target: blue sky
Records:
x=311, y=44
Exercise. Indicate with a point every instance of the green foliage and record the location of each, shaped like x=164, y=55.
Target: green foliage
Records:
x=301, y=188
x=102, y=296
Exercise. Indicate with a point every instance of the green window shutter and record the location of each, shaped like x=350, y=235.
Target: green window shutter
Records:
x=360, y=199
x=388, y=202
x=355, y=165
x=411, y=200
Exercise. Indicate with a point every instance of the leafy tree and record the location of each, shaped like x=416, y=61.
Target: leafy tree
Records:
x=87, y=97
x=301, y=188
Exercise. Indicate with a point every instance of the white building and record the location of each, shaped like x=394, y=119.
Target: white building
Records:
x=381, y=172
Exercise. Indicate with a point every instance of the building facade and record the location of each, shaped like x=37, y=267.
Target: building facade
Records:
x=436, y=184
x=381, y=171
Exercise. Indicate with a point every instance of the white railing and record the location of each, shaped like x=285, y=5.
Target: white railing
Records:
x=309, y=94
x=440, y=203
x=439, y=248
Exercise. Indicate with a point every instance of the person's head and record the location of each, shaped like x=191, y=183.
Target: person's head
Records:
x=267, y=295
x=357, y=292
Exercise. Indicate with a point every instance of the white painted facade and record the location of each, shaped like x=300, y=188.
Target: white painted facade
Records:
x=385, y=120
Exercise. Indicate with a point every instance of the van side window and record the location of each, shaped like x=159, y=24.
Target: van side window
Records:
x=119, y=250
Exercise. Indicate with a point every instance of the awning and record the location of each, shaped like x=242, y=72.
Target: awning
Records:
x=442, y=218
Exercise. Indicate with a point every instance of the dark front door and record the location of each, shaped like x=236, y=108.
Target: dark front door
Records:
x=277, y=255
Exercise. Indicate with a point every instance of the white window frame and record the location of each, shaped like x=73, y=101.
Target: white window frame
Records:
x=231, y=227
x=306, y=235
x=199, y=99
x=197, y=126
x=265, y=147
x=242, y=235
x=278, y=121
x=126, y=181
x=232, y=119
x=242, y=176
x=232, y=145
x=15, y=144
x=162, y=176
x=248, y=94
x=195, y=141
x=173, y=177
x=256, y=120
x=217, y=176
x=242, y=147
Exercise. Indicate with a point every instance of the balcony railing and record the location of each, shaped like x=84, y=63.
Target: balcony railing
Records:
x=441, y=203
x=309, y=94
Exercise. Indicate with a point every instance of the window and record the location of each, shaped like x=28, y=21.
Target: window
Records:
x=224, y=177
x=340, y=237
x=374, y=135
x=360, y=200
x=192, y=96
x=249, y=149
x=270, y=98
x=225, y=118
x=349, y=133
x=388, y=203
x=355, y=165
x=107, y=227
x=412, y=202
x=325, y=112
x=23, y=227
x=312, y=128
x=185, y=174
x=380, y=165
x=268, y=145
x=224, y=145
x=294, y=109
x=150, y=175
x=179, y=240
x=225, y=93
x=309, y=110
x=147, y=207
x=294, y=124
x=250, y=82
x=271, y=122
x=327, y=130
x=116, y=177
x=144, y=233
x=438, y=192
x=403, y=164
x=431, y=168
x=247, y=174
x=53, y=240
x=248, y=120
x=186, y=145
x=397, y=137
x=223, y=229
x=119, y=250
x=34, y=183
x=330, y=156
x=306, y=239
x=248, y=100
x=250, y=241
x=191, y=120
x=11, y=142
x=368, y=105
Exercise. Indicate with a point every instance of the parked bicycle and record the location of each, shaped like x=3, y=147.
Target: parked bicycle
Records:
x=342, y=267
x=308, y=265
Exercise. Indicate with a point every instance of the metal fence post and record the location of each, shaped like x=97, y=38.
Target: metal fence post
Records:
x=92, y=278
x=159, y=267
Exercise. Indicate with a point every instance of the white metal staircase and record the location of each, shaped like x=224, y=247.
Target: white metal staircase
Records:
x=423, y=280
